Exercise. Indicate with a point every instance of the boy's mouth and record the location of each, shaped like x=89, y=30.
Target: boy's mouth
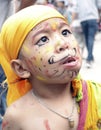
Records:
x=68, y=59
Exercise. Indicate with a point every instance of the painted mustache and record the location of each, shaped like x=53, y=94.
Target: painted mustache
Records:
x=66, y=59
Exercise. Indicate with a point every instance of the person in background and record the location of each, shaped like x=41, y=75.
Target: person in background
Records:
x=45, y=2
x=61, y=6
x=88, y=13
x=78, y=33
x=66, y=10
x=42, y=60
x=20, y=4
x=49, y=3
x=6, y=10
x=99, y=20
x=76, y=26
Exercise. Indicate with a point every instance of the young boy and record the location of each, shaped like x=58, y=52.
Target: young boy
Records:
x=41, y=59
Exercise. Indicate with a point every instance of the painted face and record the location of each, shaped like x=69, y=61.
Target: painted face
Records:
x=51, y=52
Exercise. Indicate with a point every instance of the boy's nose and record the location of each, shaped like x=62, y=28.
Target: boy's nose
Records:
x=61, y=46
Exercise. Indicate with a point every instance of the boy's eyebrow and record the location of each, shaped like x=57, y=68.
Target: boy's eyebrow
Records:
x=63, y=23
x=39, y=30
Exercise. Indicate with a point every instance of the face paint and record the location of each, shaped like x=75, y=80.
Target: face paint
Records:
x=36, y=59
x=5, y=124
x=47, y=125
x=53, y=54
x=49, y=49
x=53, y=24
x=38, y=62
x=41, y=78
x=26, y=49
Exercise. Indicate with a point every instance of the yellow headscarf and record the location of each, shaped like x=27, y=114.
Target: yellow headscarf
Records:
x=13, y=34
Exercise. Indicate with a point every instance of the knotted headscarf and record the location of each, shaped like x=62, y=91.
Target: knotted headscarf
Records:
x=13, y=34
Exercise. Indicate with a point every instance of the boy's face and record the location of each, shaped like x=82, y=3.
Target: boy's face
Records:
x=51, y=52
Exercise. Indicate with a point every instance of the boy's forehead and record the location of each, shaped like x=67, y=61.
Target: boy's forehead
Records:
x=52, y=22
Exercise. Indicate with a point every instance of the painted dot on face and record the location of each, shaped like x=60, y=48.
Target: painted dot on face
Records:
x=40, y=69
x=47, y=73
x=33, y=58
x=44, y=65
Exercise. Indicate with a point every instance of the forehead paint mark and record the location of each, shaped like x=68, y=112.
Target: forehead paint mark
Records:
x=40, y=78
x=47, y=125
x=53, y=24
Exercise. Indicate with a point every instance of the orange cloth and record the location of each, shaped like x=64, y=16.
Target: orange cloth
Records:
x=13, y=33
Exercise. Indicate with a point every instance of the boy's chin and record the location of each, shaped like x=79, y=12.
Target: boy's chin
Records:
x=62, y=81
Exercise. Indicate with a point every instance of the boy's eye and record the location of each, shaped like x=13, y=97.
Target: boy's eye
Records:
x=66, y=32
x=42, y=41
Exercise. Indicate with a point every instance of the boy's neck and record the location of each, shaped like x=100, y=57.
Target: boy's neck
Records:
x=49, y=91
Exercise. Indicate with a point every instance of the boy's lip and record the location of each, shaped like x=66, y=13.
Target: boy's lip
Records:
x=69, y=61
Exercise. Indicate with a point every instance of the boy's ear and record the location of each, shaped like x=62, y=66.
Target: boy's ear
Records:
x=19, y=68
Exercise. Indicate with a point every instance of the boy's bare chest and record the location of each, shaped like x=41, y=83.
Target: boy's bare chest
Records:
x=42, y=119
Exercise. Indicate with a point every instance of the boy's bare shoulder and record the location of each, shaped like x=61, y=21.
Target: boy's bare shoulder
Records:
x=10, y=119
x=19, y=104
x=15, y=112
